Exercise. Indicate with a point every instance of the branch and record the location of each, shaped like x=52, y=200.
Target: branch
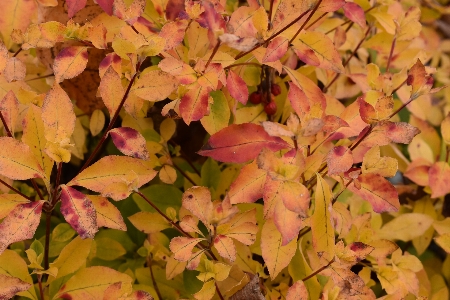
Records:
x=155, y=286
x=111, y=123
x=15, y=190
x=306, y=21
x=318, y=270
x=8, y=132
x=391, y=54
x=213, y=53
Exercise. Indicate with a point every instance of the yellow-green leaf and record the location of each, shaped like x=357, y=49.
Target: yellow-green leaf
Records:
x=148, y=222
x=109, y=249
x=219, y=114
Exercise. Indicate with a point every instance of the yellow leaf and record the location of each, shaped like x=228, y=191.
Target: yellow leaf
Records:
x=128, y=173
x=444, y=242
x=58, y=115
x=90, y=283
x=72, y=257
x=111, y=90
x=70, y=62
x=148, y=222
x=207, y=292
x=276, y=257
x=182, y=247
x=321, y=227
x=8, y=202
x=155, y=85
x=16, y=15
x=167, y=128
x=406, y=227
x=109, y=249
x=107, y=214
x=97, y=122
x=445, y=129
x=9, y=107
x=174, y=267
x=168, y=174
x=374, y=163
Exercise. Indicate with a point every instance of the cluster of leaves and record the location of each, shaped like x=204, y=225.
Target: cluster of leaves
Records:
x=300, y=193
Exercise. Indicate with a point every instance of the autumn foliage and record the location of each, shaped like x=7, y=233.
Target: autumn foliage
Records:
x=224, y=149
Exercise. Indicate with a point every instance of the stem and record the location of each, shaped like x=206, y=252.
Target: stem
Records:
x=316, y=20
x=15, y=190
x=270, y=13
x=218, y=292
x=41, y=291
x=390, y=54
x=318, y=270
x=347, y=61
x=17, y=52
x=36, y=188
x=348, y=21
x=273, y=36
x=155, y=286
x=400, y=108
x=184, y=174
x=337, y=196
x=397, y=88
x=176, y=226
x=40, y=77
x=306, y=21
x=213, y=53
x=362, y=138
x=48, y=216
x=111, y=124
x=8, y=132
x=55, y=190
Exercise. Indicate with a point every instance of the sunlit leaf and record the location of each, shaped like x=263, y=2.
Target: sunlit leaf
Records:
x=107, y=214
x=155, y=85
x=148, y=222
x=182, y=247
x=197, y=200
x=406, y=227
x=339, y=159
x=194, y=104
x=70, y=62
x=237, y=87
x=248, y=186
x=17, y=161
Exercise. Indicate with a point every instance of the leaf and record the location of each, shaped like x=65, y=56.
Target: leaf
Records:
x=438, y=175
x=355, y=13
x=155, y=85
x=97, y=122
x=445, y=129
x=130, y=142
x=318, y=46
x=276, y=49
x=9, y=107
x=381, y=194
x=276, y=256
x=168, y=174
x=148, y=222
x=225, y=247
x=248, y=186
x=287, y=222
x=241, y=227
x=197, y=200
x=128, y=13
x=237, y=87
x=419, y=80
x=118, y=182
x=194, y=104
x=16, y=15
x=10, y=286
x=79, y=212
x=72, y=257
x=17, y=161
x=109, y=249
x=34, y=137
x=297, y=291
x=91, y=282
x=219, y=113
x=70, y=62
x=207, y=291
x=321, y=226
x=107, y=214
x=444, y=242
x=74, y=6
x=406, y=227
x=8, y=202
x=20, y=224
x=173, y=33
x=58, y=115
x=182, y=247
x=373, y=163
x=111, y=90
x=15, y=70
x=240, y=143
x=339, y=159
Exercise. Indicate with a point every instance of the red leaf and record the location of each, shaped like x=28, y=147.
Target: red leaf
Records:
x=276, y=49
x=79, y=212
x=355, y=13
x=237, y=87
x=240, y=143
x=248, y=186
x=173, y=9
x=194, y=104
x=20, y=224
x=381, y=194
x=299, y=100
x=339, y=159
x=74, y=6
x=130, y=142
x=106, y=5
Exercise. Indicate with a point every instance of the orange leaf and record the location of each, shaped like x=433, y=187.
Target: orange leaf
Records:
x=58, y=115
x=276, y=49
x=10, y=286
x=15, y=70
x=237, y=87
x=9, y=106
x=130, y=142
x=79, y=212
x=197, y=200
x=20, y=224
x=248, y=186
x=241, y=227
x=194, y=104
x=182, y=247
x=381, y=194
x=420, y=81
x=111, y=90
x=111, y=59
x=225, y=246
x=297, y=291
x=74, y=6
x=287, y=222
x=107, y=214
x=70, y=62
x=17, y=161
x=355, y=13
x=173, y=33
x=128, y=14
x=240, y=143
x=439, y=179
x=339, y=159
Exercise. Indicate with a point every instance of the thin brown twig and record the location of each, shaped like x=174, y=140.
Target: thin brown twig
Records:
x=8, y=132
x=318, y=270
x=218, y=292
x=316, y=20
x=15, y=190
x=399, y=86
x=111, y=123
x=184, y=174
x=40, y=77
x=270, y=13
x=391, y=53
x=306, y=21
x=242, y=64
x=273, y=36
x=17, y=52
x=155, y=286
x=36, y=188
x=41, y=291
x=48, y=217
x=213, y=53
